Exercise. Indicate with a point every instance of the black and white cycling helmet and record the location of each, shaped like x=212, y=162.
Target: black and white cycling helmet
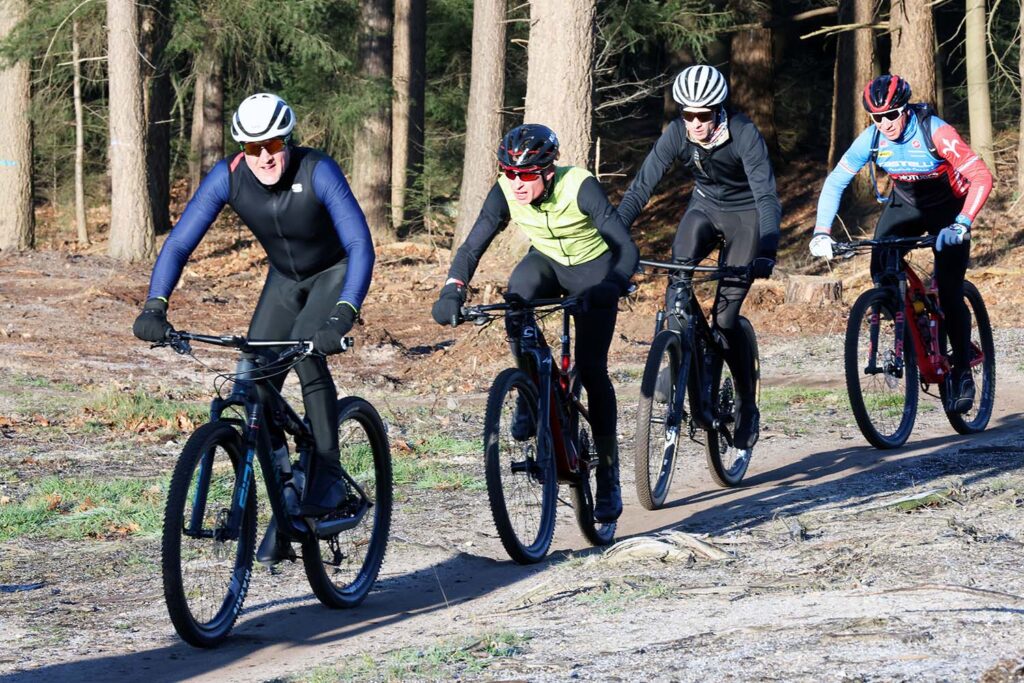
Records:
x=261, y=117
x=700, y=87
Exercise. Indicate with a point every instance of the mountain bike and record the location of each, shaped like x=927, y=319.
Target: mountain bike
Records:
x=896, y=343
x=669, y=417
x=523, y=474
x=209, y=531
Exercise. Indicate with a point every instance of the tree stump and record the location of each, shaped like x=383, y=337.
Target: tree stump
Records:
x=813, y=289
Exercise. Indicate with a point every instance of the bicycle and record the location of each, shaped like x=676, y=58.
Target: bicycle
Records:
x=694, y=358
x=209, y=530
x=882, y=380
x=523, y=475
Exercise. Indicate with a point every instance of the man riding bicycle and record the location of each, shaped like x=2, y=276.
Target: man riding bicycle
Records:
x=579, y=248
x=297, y=203
x=939, y=186
x=734, y=204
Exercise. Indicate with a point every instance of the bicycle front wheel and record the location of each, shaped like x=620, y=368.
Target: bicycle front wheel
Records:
x=983, y=367
x=597, y=533
x=728, y=464
x=522, y=484
x=658, y=427
x=881, y=374
x=342, y=568
x=207, y=557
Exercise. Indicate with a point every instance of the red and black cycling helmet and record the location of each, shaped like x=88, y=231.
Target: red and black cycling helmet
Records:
x=529, y=146
x=885, y=93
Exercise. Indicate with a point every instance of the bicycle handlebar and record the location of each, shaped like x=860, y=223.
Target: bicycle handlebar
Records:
x=179, y=341
x=484, y=312
x=890, y=242
x=716, y=271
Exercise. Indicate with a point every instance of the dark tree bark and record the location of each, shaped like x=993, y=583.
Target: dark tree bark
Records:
x=207, y=116
x=855, y=66
x=407, y=121
x=156, y=31
x=752, y=78
x=17, y=223
x=913, y=46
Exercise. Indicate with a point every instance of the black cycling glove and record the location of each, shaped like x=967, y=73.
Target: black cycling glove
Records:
x=762, y=267
x=327, y=339
x=449, y=304
x=152, y=325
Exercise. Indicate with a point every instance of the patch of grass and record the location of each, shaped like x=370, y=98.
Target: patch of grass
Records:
x=138, y=410
x=445, y=660
x=410, y=470
x=778, y=401
x=618, y=596
x=443, y=444
x=70, y=509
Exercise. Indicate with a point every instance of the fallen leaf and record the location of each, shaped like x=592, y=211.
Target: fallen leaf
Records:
x=87, y=504
x=53, y=501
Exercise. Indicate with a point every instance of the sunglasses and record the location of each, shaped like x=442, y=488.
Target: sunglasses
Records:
x=702, y=116
x=525, y=176
x=890, y=115
x=273, y=146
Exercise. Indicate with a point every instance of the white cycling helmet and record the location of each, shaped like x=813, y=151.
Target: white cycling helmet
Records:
x=700, y=87
x=261, y=117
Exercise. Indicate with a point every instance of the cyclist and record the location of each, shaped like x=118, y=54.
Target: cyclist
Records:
x=297, y=203
x=734, y=204
x=579, y=247
x=939, y=186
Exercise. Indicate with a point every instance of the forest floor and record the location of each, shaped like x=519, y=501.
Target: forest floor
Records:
x=827, y=572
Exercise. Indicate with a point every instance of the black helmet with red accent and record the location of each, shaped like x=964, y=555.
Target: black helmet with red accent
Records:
x=885, y=93
x=528, y=146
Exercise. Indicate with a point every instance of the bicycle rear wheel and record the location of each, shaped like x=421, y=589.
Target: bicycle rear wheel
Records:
x=658, y=428
x=597, y=533
x=983, y=367
x=728, y=464
x=881, y=382
x=522, y=484
x=342, y=568
x=206, y=562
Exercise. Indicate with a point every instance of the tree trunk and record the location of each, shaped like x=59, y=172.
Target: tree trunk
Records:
x=979, y=109
x=207, y=116
x=1020, y=137
x=559, y=94
x=483, y=115
x=17, y=222
x=131, y=219
x=752, y=79
x=80, y=223
x=407, y=121
x=371, y=158
x=855, y=66
x=156, y=31
x=913, y=46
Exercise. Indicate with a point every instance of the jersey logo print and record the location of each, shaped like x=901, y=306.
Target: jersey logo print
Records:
x=950, y=146
x=297, y=187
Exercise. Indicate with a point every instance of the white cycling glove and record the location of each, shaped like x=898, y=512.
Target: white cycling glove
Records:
x=952, y=235
x=821, y=245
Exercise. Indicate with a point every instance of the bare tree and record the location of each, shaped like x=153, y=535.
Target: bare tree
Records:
x=1020, y=137
x=407, y=118
x=979, y=107
x=17, y=223
x=913, y=46
x=483, y=116
x=156, y=32
x=752, y=76
x=207, y=143
x=371, y=158
x=76, y=65
x=131, y=219
x=855, y=66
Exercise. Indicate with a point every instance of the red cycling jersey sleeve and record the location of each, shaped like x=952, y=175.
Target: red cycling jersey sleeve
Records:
x=968, y=174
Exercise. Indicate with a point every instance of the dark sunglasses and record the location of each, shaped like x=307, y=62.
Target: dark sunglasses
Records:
x=702, y=116
x=890, y=115
x=273, y=146
x=525, y=176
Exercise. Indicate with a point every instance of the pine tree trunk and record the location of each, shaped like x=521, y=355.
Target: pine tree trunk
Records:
x=131, y=219
x=17, y=222
x=483, y=116
x=207, y=117
x=855, y=67
x=371, y=158
x=158, y=102
x=1020, y=137
x=559, y=94
x=407, y=119
x=752, y=79
x=80, y=223
x=978, y=105
x=913, y=46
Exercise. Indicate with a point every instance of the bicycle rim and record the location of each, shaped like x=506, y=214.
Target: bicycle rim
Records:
x=206, y=566
x=983, y=367
x=658, y=431
x=521, y=480
x=882, y=384
x=728, y=464
x=596, y=533
x=342, y=568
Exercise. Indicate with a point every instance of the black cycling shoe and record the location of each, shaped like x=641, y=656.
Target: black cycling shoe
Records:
x=608, y=501
x=663, y=386
x=274, y=548
x=524, y=427
x=961, y=395
x=323, y=499
x=748, y=426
